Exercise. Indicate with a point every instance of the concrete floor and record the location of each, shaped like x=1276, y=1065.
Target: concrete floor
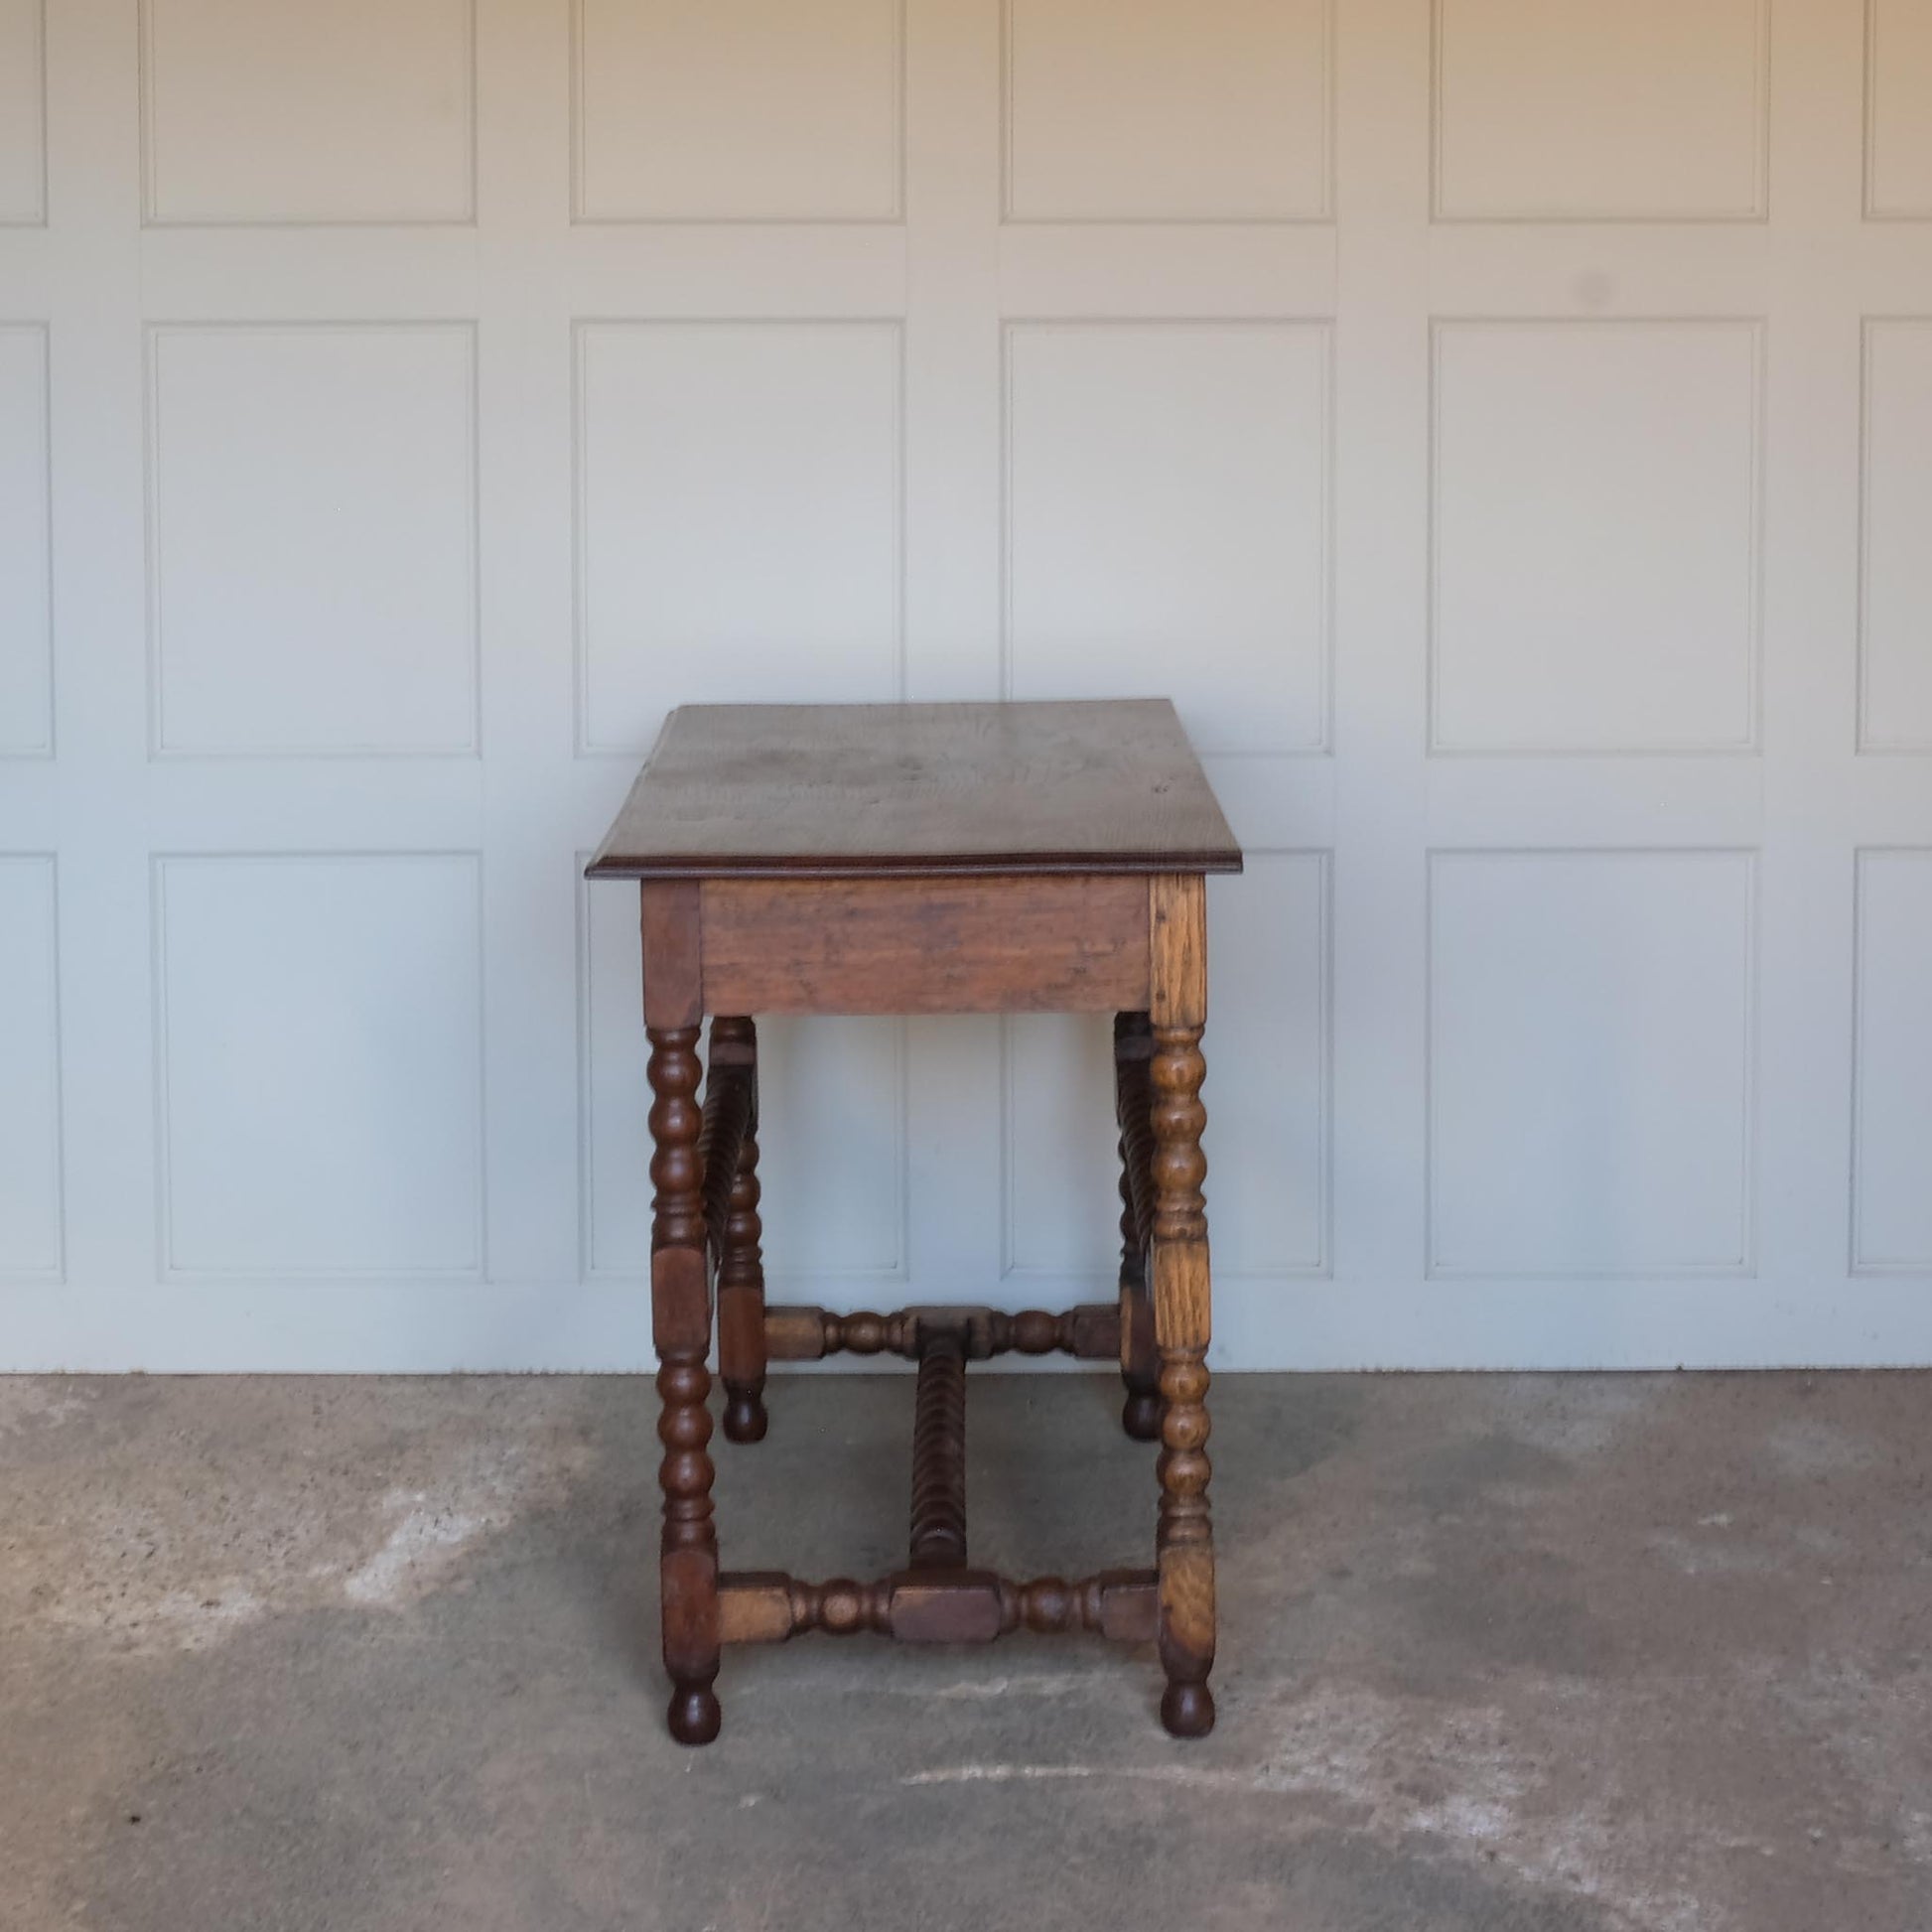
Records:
x=1524, y=1654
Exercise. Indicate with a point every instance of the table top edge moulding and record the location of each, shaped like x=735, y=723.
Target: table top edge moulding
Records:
x=920, y=790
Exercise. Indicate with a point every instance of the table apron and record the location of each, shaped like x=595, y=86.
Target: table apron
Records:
x=1019, y=943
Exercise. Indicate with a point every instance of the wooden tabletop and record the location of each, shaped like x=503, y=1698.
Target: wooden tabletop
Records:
x=834, y=790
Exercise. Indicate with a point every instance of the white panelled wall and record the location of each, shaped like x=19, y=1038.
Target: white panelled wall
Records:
x=1506, y=428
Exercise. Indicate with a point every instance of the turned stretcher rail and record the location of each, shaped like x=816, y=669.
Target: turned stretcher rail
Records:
x=803, y=1334
x=939, y=1456
x=936, y=1606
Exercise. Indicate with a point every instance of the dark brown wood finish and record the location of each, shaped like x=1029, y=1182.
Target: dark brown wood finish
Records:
x=1139, y=1361
x=1089, y=1332
x=1021, y=944
x=924, y=859
x=921, y=790
x=735, y=1234
x=939, y=1453
x=939, y=1606
x=682, y=1324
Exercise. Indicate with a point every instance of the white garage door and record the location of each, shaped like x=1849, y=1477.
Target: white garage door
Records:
x=1507, y=432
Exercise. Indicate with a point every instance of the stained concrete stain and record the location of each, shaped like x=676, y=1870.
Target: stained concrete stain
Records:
x=175, y=1531
x=1812, y=1445
x=361, y=1655
x=1493, y=1467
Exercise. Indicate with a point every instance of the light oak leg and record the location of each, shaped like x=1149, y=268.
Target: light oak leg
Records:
x=1182, y=1303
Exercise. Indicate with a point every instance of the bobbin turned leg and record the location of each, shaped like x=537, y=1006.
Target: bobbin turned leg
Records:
x=740, y=1266
x=1181, y=1301
x=681, y=1311
x=1139, y=1362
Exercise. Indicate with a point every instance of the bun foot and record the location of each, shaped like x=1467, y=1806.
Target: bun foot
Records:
x=694, y=1715
x=1188, y=1710
x=744, y=1417
x=1141, y=1416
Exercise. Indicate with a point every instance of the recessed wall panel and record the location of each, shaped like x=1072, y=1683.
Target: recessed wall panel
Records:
x=1895, y=641
x=1562, y=110
x=737, y=517
x=1891, y=1187
x=1268, y=1045
x=746, y=111
x=318, y=1044
x=1898, y=124
x=1062, y=1167
x=277, y=111
x=1166, y=111
x=23, y=114
x=1595, y=536
x=1589, y=1063
x=1267, y=1095
x=1167, y=522
x=313, y=540
x=831, y=1114
x=30, y=1070
x=25, y=613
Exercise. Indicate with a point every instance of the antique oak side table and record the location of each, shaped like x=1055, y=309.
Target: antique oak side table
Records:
x=924, y=859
